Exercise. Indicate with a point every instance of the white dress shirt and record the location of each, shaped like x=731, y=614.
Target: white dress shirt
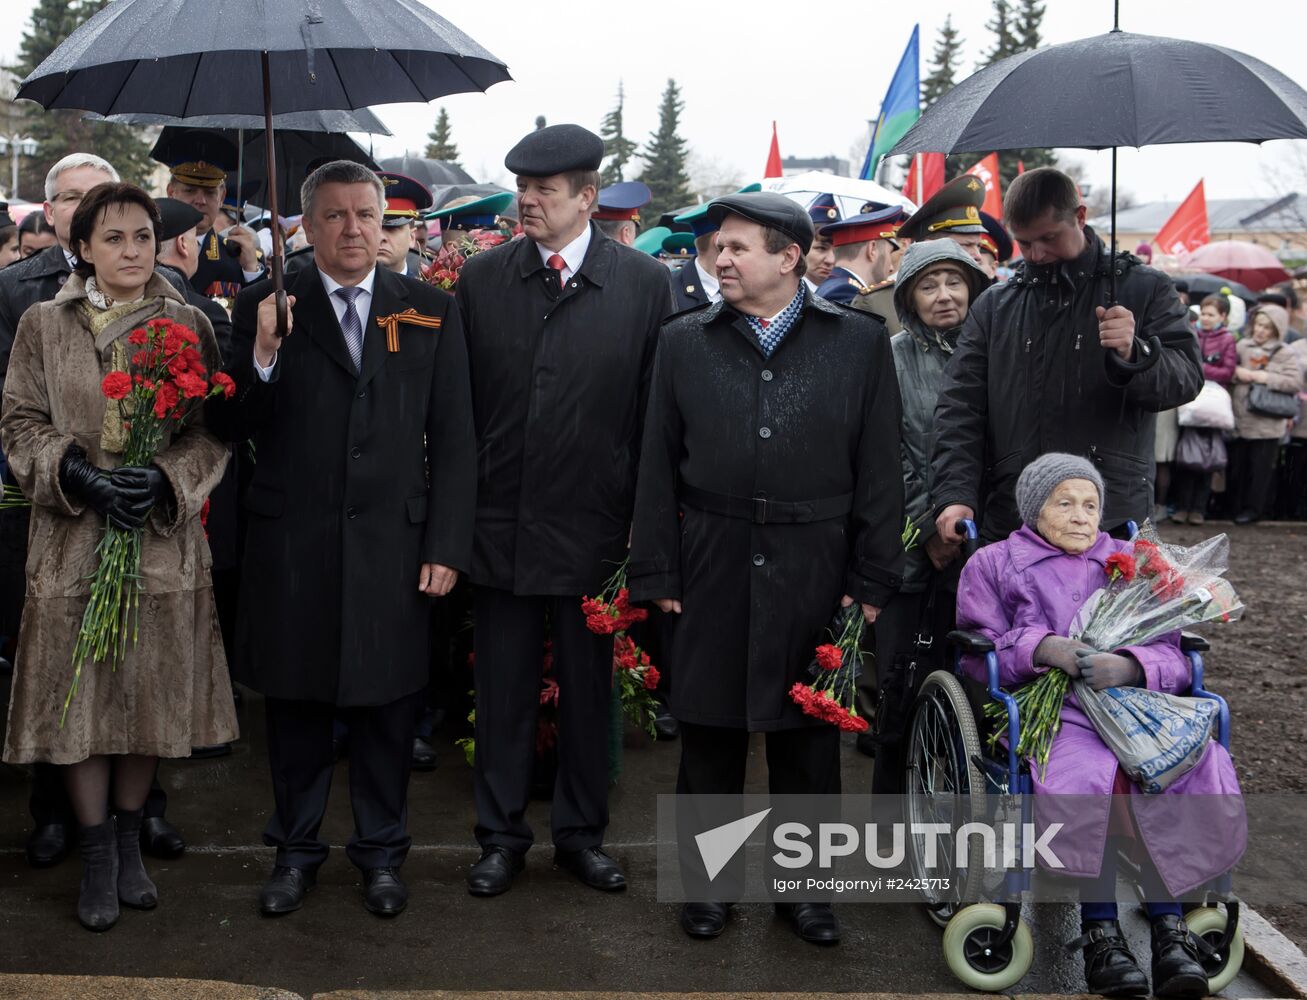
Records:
x=573, y=254
x=708, y=282
x=362, y=306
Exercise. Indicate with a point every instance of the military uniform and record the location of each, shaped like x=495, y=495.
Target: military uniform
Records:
x=879, y=301
x=468, y=215
x=405, y=200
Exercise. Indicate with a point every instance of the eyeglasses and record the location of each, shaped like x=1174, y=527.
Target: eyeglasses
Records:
x=68, y=197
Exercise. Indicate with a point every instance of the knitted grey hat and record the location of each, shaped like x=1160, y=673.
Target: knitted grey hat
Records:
x=1041, y=477
x=919, y=257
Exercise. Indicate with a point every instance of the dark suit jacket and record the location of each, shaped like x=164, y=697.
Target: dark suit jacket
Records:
x=358, y=479
x=687, y=292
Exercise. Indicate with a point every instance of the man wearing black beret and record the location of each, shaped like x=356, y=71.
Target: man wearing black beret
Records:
x=561, y=328
x=770, y=496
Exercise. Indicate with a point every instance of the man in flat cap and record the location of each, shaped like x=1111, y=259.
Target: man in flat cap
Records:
x=770, y=496
x=227, y=264
x=863, y=245
x=561, y=329
x=617, y=212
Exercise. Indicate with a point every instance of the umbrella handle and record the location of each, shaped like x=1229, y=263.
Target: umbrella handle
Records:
x=1149, y=351
x=283, y=314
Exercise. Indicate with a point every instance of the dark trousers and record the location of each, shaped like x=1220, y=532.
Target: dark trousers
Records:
x=300, y=756
x=49, y=803
x=1192, y=490
x=509, y=644
x=804, y=761
x=1250, y=475
x=1291, y=492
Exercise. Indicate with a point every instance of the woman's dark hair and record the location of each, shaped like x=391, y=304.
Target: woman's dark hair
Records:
x=1218, y=302
x=91, y=211
x=34, y=223
x=7, y=233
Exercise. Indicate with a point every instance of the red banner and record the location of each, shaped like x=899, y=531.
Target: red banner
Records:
x=1186, y=229
x=773, y=168
x=925, y=177
x=987, y=171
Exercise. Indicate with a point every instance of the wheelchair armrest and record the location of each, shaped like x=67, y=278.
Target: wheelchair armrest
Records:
x=971, y=642
x=1193, y=643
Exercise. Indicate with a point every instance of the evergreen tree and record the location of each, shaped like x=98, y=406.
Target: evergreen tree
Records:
x=665, y=160
x=618, y=149
x=59, y=133
x=1030, y=16
x=1003, y=25
x=943, y=64
x=439, y=146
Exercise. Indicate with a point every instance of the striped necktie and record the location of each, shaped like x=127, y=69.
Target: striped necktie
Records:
x=351, y=326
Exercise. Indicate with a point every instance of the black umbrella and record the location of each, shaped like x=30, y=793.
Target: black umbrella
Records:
x=1117, y=89
x=1212, y=284
x=361, y=120
x=295, y=153
x=185, y=58
x=432, y=173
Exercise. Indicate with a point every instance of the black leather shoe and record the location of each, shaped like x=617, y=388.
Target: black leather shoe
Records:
x=703, y=920
x=493, y=873
x=665, y=725
x=160, y=839
x=1110, y=966
x=424, y=755
x=1247, y=517
x=813, y=922
x=284, y=892
x=593, y=867
x=1176, y=969
x=384, y=893
x=48, y=845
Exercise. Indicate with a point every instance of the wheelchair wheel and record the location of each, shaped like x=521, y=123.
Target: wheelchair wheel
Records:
x=972, y=955
x=1208, y=923
x=943, y=785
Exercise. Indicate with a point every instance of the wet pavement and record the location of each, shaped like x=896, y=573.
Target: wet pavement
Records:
x=548, y=933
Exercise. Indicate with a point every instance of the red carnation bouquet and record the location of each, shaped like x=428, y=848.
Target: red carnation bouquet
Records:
x=443, y=271
x=634, y=674
x=832, y=694
x=165, y=380
x=1152, y=590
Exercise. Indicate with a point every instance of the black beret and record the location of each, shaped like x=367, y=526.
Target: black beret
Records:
x=556, y=149
x=178, y=217
x=766, y=208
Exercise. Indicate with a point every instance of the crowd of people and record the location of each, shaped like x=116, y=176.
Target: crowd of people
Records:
x=742, y=428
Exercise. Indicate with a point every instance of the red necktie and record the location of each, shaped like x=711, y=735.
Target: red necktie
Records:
x=764, y=323
x=557, y=263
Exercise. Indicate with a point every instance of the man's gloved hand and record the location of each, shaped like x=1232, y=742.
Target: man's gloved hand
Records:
x=1108, y=670
x=142, y=488
x=93, y=485
x=1061, y=652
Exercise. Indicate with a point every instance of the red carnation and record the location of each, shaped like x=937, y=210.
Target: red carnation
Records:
x=116, y=385
x=192, y=386
x=651, y=677
x=138, y=337
x=223, y=381
x=829, y=657
x=1121, y=565
x=165, y=398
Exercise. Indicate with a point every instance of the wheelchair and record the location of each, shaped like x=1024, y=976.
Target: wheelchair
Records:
x=986, y=944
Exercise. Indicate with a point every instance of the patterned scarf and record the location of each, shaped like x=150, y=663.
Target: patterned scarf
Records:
x=98, y=315
x=770, y=334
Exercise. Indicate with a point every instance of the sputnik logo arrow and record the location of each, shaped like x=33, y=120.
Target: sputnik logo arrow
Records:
x=718, y=845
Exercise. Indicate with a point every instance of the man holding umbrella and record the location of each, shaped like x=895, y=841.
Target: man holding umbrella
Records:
x=360, y=509
x=1047, y=362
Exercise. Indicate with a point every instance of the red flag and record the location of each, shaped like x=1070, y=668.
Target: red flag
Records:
x=925, y=176
x=987, y=171
x=1186, y=229
x=773, y=168
x=1021, y=167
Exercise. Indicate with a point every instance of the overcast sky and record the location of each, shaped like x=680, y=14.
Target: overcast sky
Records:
x=819, y=69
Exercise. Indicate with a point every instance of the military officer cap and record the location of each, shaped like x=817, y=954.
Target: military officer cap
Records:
x=405, y=199
x=680, y=246
x=775, y=211
x=996, y=239
x=823, y=211
x=621, y=202
x=555, y=149
x=199, y=174
x=651, y=240
x=865, y=227
x=698, y=218
x=954, y=208
x=467, y=214
x=178, y=217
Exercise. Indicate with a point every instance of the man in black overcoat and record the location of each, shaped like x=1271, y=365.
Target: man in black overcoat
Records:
x=561, y=329
x=770, y=495
x=359, y=509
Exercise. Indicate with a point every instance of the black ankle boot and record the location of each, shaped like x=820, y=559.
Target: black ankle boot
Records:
x=135, y=889
x=97, y=906
x=1110, y=968
x=1176, y=969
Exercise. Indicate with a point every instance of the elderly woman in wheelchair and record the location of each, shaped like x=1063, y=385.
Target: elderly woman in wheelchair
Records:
x=1016, y=602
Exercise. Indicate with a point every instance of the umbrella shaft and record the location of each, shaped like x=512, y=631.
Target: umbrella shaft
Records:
x=278, y=281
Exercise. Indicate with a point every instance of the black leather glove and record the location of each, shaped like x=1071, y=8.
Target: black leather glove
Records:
x=89, y=483
x=142, y=488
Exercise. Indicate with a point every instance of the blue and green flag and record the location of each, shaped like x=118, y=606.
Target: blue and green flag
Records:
x=900, y=109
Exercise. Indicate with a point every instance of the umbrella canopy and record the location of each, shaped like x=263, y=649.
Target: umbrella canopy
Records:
x=1247, y=263
x=295, y=151
x=362, y=120
x=1210, y=284
x=194, y=57
x=851, y=193
x=432, y=173
x=1117, y=89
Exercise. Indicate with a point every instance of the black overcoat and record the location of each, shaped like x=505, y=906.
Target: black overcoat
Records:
x=357, y=481
x=558, y=388
x=818, y=420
